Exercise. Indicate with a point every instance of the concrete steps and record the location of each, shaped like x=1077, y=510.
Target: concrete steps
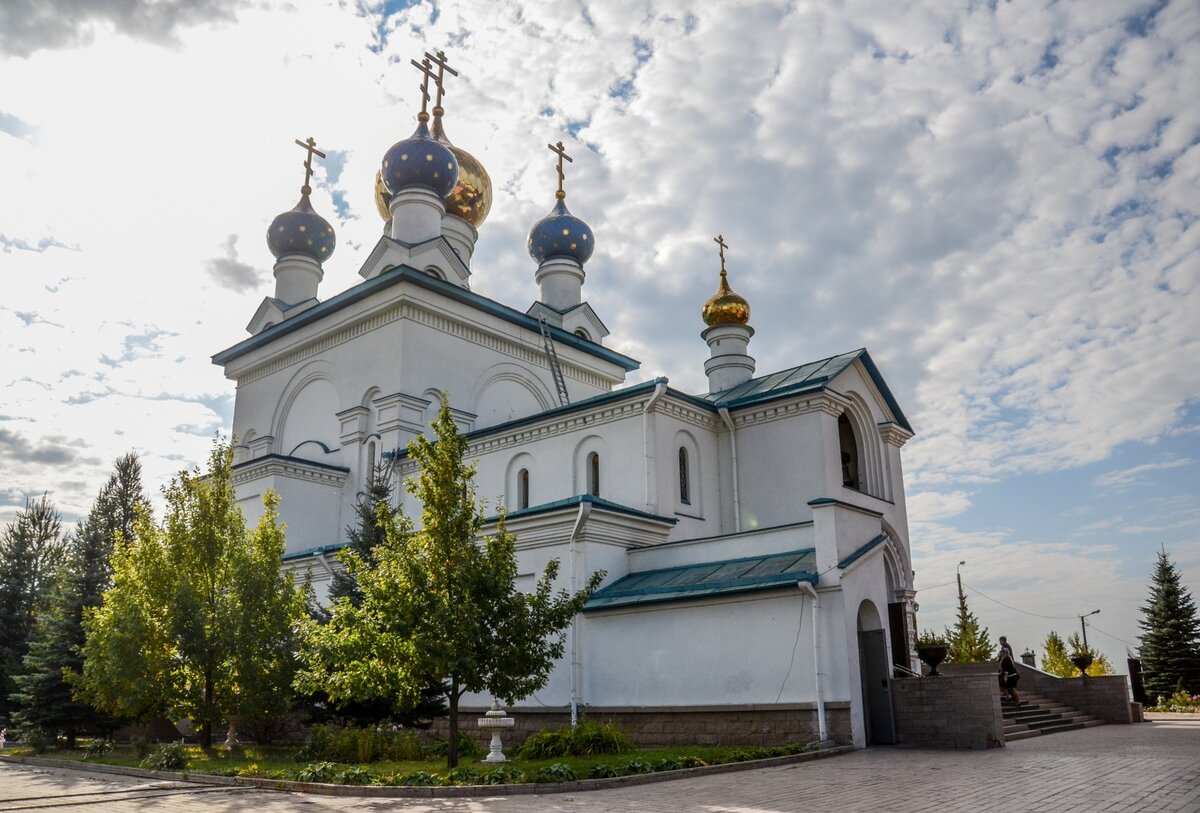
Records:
x=1037, y=715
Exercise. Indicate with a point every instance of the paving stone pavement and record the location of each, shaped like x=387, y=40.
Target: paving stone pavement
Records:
x=1152, y=767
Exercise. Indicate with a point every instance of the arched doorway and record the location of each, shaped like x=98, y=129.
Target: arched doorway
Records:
x=875, y=672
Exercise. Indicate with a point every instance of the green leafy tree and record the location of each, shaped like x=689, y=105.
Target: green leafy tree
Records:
x=968, y=641
x=1057, y=654
x=1170, y=648
x=31, y=550
x=200, y=621
x=438, y=607
x=44, y=697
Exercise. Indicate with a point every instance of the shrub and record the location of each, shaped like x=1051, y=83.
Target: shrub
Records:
x=349, y=744
x=37, y=739
x=602, y=771
x=691, y=762
x=468, y=748
x=585, y=739
x=417, y=779
x=316, y=772
x=97, y=748
x=503, y=775
x=354, y=775
x=462, y=776
x=666, y=765
x=141, y=746
x=635, y=766
x=169, y=756
x=558, y=772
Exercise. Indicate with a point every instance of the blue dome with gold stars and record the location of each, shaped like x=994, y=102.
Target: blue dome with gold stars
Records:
x=420, y=160
x=561, y=234
x=301, y=231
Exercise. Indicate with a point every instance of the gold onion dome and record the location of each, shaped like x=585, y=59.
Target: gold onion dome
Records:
x=725, y=307
x=471, y=198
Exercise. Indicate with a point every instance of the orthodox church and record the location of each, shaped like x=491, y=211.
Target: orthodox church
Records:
x=755, y=537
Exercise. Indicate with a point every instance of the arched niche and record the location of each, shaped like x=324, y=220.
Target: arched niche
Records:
x=688, y=472
x=505, y=392
x=307, y=413
x=592, y=467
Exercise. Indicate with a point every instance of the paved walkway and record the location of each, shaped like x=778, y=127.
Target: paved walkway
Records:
x=1152, y=767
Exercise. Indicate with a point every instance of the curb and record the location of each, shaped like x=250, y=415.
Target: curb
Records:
x=432, y=792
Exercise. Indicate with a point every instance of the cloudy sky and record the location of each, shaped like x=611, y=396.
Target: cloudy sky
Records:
x=998, y=199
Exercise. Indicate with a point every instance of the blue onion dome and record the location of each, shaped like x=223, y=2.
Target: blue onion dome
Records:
x=420, y=161
x=561, y=234
x=301, y=231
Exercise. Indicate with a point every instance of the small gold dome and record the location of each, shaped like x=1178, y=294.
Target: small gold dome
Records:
x=381, y=198
x=725, y=307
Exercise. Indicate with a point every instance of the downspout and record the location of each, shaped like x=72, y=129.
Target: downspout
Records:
x=737, y=504
x=805, y=587
x=585, y=509
x=651, y=492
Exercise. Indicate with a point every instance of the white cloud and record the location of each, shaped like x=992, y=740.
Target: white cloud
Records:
x=1123, y=478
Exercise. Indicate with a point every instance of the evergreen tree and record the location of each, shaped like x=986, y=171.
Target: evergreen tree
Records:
x=366, y=534
x=1170, y=649
x=1056, y=657
x=969, y=643
x=31, y=550
x=44, y=697
x=439, y=606
x=201, y=621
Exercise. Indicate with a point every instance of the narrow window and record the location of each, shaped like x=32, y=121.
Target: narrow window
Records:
x=523, y=489
x=370, y=463
x=594, y=474
x=849, y=448
x=685, y=486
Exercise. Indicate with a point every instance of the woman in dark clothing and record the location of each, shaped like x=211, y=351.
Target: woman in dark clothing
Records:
x=1009, y=676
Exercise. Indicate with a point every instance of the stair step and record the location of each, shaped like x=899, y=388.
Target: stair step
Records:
x=1020, y=735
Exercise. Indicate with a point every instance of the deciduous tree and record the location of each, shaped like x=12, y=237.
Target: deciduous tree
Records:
x=200, y=621
x=1056, y=657
x=437, y=605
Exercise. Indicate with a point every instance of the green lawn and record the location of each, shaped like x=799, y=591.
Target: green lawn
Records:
x=278, y=762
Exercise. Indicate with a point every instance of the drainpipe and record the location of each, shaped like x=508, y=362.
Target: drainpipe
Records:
x=651, y=492
x=805, y=587
x=585, y=509
x=737, y=505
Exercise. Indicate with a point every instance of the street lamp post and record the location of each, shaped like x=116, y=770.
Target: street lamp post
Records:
x=1083, y=625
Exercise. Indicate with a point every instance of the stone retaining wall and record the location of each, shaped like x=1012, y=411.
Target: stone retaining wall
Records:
x=951, y=711
x=1105, y=698
x=751, y=725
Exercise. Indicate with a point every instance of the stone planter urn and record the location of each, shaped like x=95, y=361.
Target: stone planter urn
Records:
x=495, y=720
x=1082, y=662
x=932, y=655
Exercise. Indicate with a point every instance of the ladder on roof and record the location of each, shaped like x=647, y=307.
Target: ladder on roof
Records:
x=552, y=357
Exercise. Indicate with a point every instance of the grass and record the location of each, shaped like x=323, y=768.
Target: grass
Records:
x=279, y=762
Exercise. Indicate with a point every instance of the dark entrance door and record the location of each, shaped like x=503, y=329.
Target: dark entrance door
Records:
x=872, y=647
x=900, y=653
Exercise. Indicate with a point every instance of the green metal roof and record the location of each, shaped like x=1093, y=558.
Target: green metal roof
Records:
x=709, y=579
x=597, y=502
x=811, y=377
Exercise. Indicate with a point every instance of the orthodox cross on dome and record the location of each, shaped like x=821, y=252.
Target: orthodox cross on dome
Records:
x=562, y=153
x=443, y=68
x=311, y=146
x=720, y=241
x=425, y=67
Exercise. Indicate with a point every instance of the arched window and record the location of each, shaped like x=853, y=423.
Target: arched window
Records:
x=583, y=334
x=685, y=485
x=848, y=445
x=523, y=489
x=594, y=474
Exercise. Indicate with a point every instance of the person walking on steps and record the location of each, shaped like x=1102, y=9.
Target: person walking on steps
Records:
x=1009, y=675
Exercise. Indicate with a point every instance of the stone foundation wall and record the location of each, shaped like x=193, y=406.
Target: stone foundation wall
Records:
x=951, y=711
x=752, y=725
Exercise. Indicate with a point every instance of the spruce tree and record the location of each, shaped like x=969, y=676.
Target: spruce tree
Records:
x=969, y=643
x=31, y=550
x=44, y=697
x=365, y=535
x=1170, y=649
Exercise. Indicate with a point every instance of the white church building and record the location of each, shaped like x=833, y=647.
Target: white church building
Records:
x=755, y=538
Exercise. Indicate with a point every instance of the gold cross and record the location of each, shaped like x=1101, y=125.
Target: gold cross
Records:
x=311, y=146
x=720, y=241
x=443, y=69
x=426, y=68
x=562, y=153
